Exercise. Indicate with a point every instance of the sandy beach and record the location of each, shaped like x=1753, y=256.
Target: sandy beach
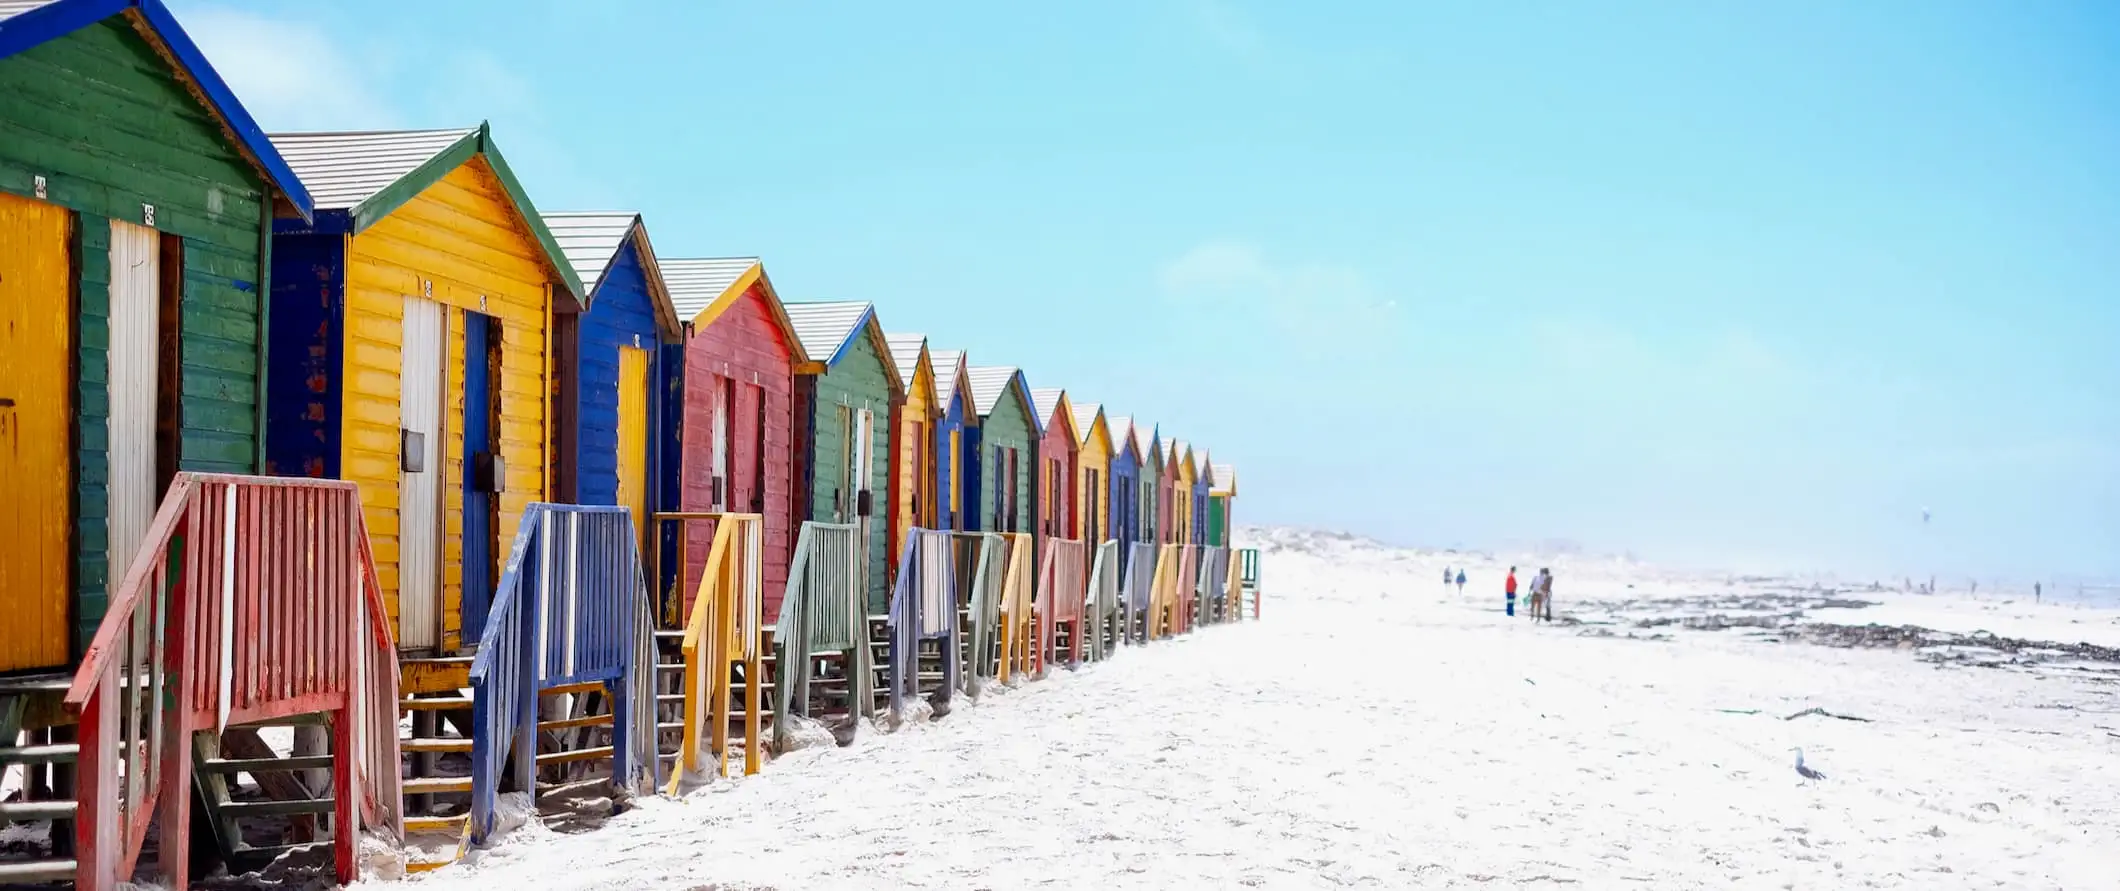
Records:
x=1378, y=730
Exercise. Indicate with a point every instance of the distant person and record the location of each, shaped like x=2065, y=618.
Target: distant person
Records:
x=1546, y=598
x=2036, y=591
x=1446, y=578
x=1461, y=582
x=1538, y=583
x=1509, y=593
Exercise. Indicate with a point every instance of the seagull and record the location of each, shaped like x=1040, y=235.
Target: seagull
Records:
x=1803, y=771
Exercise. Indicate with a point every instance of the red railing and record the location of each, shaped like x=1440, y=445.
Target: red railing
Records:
x=1062, y=587
x=251, y=598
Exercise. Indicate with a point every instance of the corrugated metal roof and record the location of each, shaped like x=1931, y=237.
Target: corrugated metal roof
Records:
x=947, y=363
x=1086, y=419
x=694, y=284
x=1122, y=428
x=12, y=8
x=591, y=240
x=988, y=382
x=1047, y=401
x=1225, y=479
x=825, y=328
x=905, y=353
x=1179, y=451
x=344, y=169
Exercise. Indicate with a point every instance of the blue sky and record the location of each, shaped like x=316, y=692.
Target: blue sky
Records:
x=1737, y=287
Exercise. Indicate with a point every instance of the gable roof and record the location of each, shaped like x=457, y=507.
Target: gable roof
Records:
x=26, y=24
x=591, y=240
x=1206, y=472
x=1089, y=418
x=1054, y=407
x=362, y=176
x=703, y=289
x=1181, y=454
x=949, y=376
x=827, y=332
x=1225, y=480
x=907, y=352
x=1124, y=436
x=990, y=382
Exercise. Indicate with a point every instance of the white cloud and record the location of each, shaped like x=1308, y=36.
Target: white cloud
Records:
x=291, y=75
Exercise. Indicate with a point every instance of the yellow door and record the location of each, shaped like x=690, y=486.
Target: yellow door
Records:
x=633, y=436
x=36, y=415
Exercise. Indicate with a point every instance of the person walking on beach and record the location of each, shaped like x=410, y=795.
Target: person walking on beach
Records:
x=1446, y=578
x=1461, y=583
x=1546, y=598
x=1538, y=592
x=1509, y=593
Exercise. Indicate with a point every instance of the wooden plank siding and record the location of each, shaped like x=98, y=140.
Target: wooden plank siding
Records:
x=1125, y=488
x=1008, y=427
x=111, y=128
x=859, y=381
x=464, y=238
x=745, y=345
x=913, y=477
x=1093, y=459
x=622, y=315
x=1056, y=483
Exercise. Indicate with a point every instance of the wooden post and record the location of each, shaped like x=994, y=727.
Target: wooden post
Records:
x=345, y=802
x=176, y=761
x=96, y=841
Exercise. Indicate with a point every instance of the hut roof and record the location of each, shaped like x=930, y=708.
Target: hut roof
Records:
x=827, y=332
x=591, y=240
x=702, y=289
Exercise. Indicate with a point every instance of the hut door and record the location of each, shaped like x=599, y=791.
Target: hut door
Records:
x=723, y=395
x=135, y=378
x=633, y=434
x=36, y=424
x=484, y=474
x=419, y=476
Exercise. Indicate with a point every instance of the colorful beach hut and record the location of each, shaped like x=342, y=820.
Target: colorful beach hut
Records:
x=132, y=299
x=1000, y=449
x=1093, y=458
x=735, y=382
x=912, y=475
x=1203, y=483
x=1183, y=473
x=1058, y=446
x=847, y=397
x=1125, y=483
x=1222, y=499
x=955, y=416
x=411, y=353
x=1155, y=499
x=609, y=411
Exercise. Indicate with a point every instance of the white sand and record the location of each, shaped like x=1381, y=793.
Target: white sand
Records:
x=1376, y=731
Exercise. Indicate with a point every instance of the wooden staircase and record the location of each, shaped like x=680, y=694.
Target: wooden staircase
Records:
x=38, y=753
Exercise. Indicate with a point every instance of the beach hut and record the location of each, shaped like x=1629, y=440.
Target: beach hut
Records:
x=735, y=382
x=846, y=399
x=1221, y=500
x=1155, y=502
x=136, y=200
x=955, y=415
x=1093, y=458
x=1057, y=448
x=998, y=451
x=411, y=352
x=912, y=474
x=1182, y=474
x=1203, y=483
x=1125, y=484
x=609, y=411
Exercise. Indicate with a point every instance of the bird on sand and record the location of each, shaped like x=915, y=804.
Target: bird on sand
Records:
x=1803, y=771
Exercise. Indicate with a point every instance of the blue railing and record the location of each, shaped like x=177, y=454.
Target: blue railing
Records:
x=570, y=608
x=923, y=607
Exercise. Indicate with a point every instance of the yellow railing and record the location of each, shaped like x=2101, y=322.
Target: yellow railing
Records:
x=721, y=632
x=1019, y=623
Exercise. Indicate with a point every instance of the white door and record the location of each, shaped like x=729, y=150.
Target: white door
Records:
x=420, y=476
x=135, y=322
x=723, y=392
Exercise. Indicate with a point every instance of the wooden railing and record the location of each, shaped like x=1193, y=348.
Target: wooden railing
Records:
x=1018, y=621
x=1062, y=586
x=1248, y=576
x=989, y=563
x=1214, y=579
x=1163, y=605
x=1139, y=589
x=250, y=599
x=722, y=632
x=1105, y=607
x=567, y=610
x=824, y=611
x=923, y=607
x=1188, y=587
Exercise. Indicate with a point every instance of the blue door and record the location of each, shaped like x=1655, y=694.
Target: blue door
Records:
x=483, y=470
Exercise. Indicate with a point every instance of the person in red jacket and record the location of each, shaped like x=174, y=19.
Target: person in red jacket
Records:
x=1509, y=593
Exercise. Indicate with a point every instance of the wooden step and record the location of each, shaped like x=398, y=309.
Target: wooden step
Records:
x=310, y=719
x=58, y=753
x=585, y=687
x=438, y=744
x=451, y=825
x=432, y=785
x=30, y=872
x=275, y=808
x=252, y=765
x=566, y=723
x=444, y=674
x=438, y=703
x=25, y=811
x=598, y=753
